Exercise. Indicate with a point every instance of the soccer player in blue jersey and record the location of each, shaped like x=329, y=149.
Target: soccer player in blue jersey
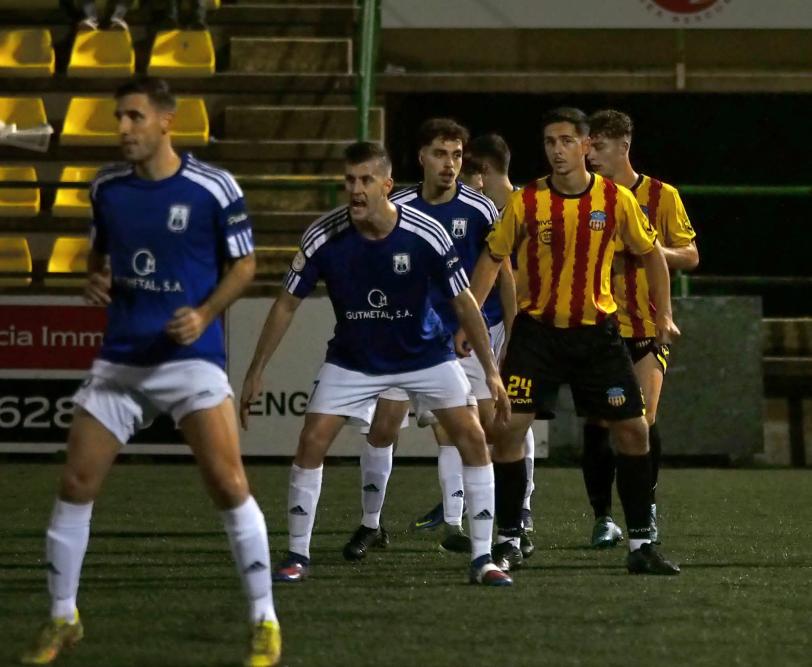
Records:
x=171, y=249
x=467, y=217
x=489, y=157
x=381, y=262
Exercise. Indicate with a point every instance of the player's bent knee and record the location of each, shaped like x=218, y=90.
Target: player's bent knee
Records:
x=78, y=487
x=631, y=436
x=230, y=490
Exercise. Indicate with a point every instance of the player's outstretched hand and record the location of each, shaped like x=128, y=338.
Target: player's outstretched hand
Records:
x=186, y=326
x=461, y=346
x=97, y=288
x=251, y=388
x=500, y=398
x=667, y=331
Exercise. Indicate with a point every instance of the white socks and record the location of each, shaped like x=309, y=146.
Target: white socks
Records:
x=529, y=464
x=634, y=545
x=303, y=497
x=248, y=537
x=479, y=492
x=65, y=546
x=449, y=468
x=376, y=467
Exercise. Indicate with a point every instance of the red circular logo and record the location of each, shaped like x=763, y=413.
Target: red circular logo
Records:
x=685, y=6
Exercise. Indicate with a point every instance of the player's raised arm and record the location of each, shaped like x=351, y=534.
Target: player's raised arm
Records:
x=470, y=317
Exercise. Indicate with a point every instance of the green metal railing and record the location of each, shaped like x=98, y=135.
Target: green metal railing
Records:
x=368, y=40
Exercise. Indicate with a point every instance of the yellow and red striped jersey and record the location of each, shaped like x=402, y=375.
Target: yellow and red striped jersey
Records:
x=564, y=246
x=662, y=204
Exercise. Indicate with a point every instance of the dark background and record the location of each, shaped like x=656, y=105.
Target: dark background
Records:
x=681, y=139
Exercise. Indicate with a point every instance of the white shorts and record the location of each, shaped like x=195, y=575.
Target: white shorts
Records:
x=128, y=398
x=339, y=391
x=473, y=371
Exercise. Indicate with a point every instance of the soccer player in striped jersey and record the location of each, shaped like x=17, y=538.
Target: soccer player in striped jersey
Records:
x=380, y=262
x=564, y=229
x=611, y=137
x=171, y=249
x=491, y=156
x=467, y=217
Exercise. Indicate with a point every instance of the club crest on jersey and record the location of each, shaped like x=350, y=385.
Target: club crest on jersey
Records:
x=616, y=396
x=597, y=221
x=401, y=262
x=178, y=218
x=459, y=226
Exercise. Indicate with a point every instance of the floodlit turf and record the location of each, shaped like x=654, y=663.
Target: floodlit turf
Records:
x=159, y=587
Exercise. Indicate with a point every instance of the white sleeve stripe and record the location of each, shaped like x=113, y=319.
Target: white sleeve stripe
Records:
x=212, y=186
x=403, y=196
x=490, y=216
x=478, y=196
x=243, y=247
x=323, y=222
x=232, y=247
x=214, y=178
x=225, y=177
x=105, y=176
x=463, y=277
x=293, y=283
x=432, y=241
x=429, y=226
x=249, y=242
x=320, y=240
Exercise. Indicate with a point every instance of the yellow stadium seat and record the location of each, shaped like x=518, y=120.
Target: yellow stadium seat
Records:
x=182, y=53
x=15, y=258
x=100, y=53
x=18, y=202
x=213, y=4
x=24, y=111
x=90, y=121
x=68, y=256
x=73, y=202
x=26, y=53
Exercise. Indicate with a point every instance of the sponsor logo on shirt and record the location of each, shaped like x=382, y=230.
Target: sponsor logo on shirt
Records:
x=143, y=262
x=298, y=262
x=236, y=219
x=376, y=298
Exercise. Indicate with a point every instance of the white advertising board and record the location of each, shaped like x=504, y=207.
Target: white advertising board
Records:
x=694, y=14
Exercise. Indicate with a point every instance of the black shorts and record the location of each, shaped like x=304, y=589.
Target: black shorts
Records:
x=592, y=360
x=640, y=347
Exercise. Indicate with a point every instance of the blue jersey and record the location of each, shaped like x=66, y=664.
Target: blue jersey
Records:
x=167, y=241
x=380, y=290
x=468, y=219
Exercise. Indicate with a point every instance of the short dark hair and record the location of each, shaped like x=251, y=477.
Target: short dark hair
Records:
x=364, y=151
x=471, y=164
x=157, y=90
x=445, y=128
x=567, y=115
x=611, y=123
x=493, y=148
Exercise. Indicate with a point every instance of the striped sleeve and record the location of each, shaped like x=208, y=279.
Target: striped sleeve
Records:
x=445, y=267
x=502, y=238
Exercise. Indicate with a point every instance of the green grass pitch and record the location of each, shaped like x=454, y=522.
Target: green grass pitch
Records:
x=159, y=587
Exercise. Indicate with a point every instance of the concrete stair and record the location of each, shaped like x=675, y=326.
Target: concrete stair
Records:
x=283, y=55
x=298, y=123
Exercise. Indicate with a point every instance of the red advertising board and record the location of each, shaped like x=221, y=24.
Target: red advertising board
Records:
x=50, y=336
